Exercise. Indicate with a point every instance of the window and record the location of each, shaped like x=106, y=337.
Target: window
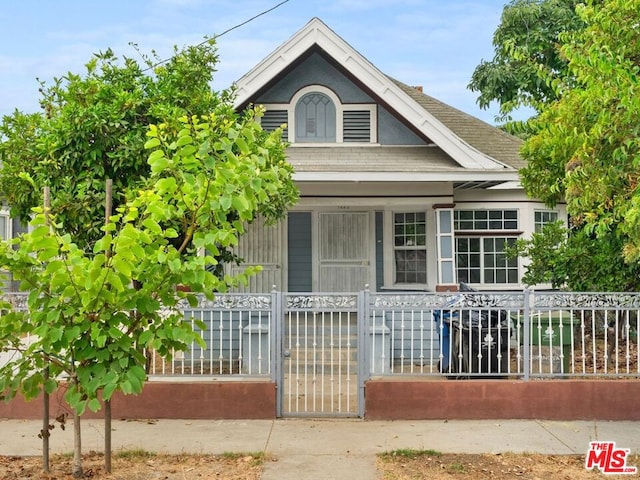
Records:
x=5, y=234
x=410, y=247
x=5, y=224
x=482, y=260
x=485, y=220
x=315, y=119
x=543, y=217
x=316, y=114
x=481, y=257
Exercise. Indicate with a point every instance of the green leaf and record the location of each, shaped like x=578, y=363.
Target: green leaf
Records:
x=240, y=203
x=158, y=162
x=122, y=266
x=94, y=405
x=152, y=142
x=184, y=140
x=152, y=225
x=108, y=390
x=242, y=145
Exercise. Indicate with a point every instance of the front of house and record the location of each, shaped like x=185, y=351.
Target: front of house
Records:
x=398, y=191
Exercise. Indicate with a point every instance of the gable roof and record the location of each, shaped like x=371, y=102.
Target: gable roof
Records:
x=469, y=141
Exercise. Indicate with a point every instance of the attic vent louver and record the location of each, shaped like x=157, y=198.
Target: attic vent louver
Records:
x=356, y=126
x=273, y=119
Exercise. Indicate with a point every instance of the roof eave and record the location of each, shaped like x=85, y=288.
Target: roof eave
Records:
x=431, y=177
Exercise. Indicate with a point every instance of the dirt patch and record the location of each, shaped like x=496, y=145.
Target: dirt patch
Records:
x=137, y=466
x=436, y=466
x=396, y=466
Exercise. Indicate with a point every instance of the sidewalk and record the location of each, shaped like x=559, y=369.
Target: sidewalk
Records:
x=331, y=448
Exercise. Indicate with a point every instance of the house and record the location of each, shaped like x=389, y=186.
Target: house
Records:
x=399, y=191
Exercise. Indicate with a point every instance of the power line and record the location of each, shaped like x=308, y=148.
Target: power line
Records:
x=223, y=33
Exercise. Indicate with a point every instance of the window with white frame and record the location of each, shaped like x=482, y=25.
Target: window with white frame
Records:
x=482, y=237
x=543, y=217
x=316, y=115
x=5, y=226
x=410, y=247
x=5, y=234
x=315, y=119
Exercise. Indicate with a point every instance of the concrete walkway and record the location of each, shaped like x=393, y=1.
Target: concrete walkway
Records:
x=326, y=449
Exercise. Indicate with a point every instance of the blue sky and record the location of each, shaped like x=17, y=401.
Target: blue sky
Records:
x=433, y=43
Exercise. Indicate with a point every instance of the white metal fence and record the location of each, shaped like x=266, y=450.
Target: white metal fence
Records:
x=336, y=341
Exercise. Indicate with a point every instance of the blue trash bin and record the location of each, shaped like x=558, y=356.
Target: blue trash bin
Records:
x=445, y=338
x=443, y=317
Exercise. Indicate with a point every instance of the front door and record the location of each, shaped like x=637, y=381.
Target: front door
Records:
x=343, y=251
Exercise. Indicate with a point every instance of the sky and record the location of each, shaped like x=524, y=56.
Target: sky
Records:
x=433, y=43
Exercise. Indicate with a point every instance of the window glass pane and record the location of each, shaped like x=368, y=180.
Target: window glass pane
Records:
x=513, y=276
x=445, y=221
x=475, y=276
x=447, y=272
x=510, y=225
x=446, y=247
x=315, y=119
x=489, y=260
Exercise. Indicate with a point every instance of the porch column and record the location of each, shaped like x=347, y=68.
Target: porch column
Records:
x=445, y=248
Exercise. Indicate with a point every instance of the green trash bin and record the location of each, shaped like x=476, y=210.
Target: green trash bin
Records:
x=551, y=337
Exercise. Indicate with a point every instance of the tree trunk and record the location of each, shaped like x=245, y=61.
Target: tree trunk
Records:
x=45, y=432
x=107, y=436
x=76, y=470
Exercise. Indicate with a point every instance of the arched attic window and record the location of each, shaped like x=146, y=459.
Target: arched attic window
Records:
x=315, y=119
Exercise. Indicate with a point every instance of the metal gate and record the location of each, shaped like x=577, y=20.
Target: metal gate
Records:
x=319, y=373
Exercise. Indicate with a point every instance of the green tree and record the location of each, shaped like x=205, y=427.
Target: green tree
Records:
x=92, y=127
x=587, y=146
x=576, y=261
x=527, y=56
x=92, y=315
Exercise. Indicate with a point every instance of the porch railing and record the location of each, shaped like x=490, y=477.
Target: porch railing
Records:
x=525, y=334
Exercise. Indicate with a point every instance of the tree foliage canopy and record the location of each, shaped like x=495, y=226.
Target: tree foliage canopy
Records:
x=587, y=146
x=527, y=55
x=93, y=126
